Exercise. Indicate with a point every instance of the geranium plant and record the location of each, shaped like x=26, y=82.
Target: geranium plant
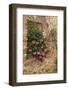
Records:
x=36, y=46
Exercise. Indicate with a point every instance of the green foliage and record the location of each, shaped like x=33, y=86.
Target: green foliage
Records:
x=33, y=31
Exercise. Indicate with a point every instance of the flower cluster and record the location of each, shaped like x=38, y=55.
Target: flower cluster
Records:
x=38, y=50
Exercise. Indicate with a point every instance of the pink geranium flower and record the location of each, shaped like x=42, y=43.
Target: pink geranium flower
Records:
x=42, y=53
x=38, y=53
x=33, y=58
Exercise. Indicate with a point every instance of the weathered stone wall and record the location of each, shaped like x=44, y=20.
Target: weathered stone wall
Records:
x=49, y=65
